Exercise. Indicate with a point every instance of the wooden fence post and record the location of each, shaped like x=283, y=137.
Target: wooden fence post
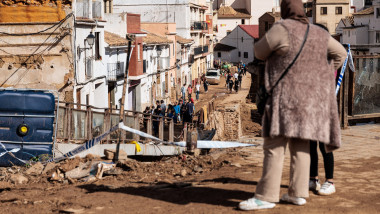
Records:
x=185, y=131
x=137, y=125
x=149, y=125
x=171, y=130
x=68, y=121
x=161, y=128
x=89, y=122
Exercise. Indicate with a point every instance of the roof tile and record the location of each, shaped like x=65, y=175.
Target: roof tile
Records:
x=252, y=30
x=114, y=40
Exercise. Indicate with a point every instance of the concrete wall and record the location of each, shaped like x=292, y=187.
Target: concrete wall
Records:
x=116, y=23
x=177, y=11
x=243, y=42
x=37, y=61
x=330, y=20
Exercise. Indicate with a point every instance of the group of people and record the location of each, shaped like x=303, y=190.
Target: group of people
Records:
x=179, y=111
x=300, y=111
x=233, y=81
x=189, y=89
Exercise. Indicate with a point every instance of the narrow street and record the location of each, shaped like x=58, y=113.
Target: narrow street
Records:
x=213, y=183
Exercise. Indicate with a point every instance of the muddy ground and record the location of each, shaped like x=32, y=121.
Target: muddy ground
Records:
x=214, y=182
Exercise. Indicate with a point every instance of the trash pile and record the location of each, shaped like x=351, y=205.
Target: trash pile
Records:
x=93, y=168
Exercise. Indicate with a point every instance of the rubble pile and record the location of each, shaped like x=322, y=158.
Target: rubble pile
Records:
x=93, y=168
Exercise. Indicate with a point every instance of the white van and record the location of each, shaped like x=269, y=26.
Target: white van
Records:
x=213, y=76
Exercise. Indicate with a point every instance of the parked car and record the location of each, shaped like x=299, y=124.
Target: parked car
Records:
x=213, y=76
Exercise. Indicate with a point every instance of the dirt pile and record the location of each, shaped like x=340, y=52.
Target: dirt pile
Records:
x=77, y=170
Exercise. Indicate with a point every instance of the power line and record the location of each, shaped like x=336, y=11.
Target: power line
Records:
x=30, y=34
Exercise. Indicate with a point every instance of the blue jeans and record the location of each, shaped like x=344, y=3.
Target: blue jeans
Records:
x=197, y=95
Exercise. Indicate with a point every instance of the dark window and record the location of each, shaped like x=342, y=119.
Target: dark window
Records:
x=245, y=54
x=144, y=66
x=377, y=12
x=266, y=26
x=323, y=10
x=219, y=54
x=243, y=21
x=368, y=2
x=338, y=10
x=378, y=37
x=97, y=46
x=239, y=54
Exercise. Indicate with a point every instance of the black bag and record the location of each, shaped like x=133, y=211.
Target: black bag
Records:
x=262, y=95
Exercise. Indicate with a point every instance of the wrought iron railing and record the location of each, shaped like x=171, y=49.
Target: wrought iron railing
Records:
x=115, y=71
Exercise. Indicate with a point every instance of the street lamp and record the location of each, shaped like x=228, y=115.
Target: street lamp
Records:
x=90, y=41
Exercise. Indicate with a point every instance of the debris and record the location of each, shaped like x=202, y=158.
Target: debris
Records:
x=102, y=167
x=114, y=171
x=35, y=169
x=71, y=210
x=90, y=157
x=236, y=164
x=70, y=164
x=90, y=171
x=57, y=176
x=110, y=154
x=197, y=169
x=183, y=172
x=18, y=179
x=82, y=171
x=49, y=167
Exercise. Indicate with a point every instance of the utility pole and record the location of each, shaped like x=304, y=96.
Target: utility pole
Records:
x=121, y=113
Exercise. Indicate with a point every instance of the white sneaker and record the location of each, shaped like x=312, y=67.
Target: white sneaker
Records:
x=255, y=204
x=293, y=200
x=327, y=189
x=314, y=185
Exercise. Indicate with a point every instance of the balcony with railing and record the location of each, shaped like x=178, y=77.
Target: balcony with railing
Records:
x=163, y=63
x=200, y=50
x=115, y=71
x=191, y=59
x=199, y=26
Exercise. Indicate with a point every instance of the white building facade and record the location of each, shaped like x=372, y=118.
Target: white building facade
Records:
x=242, y=40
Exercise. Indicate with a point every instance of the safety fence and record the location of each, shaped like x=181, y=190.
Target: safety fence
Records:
x=78, y=123
x=359, y=97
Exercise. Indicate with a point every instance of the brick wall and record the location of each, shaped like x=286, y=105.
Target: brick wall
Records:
x=133, y=23
x=136, y=64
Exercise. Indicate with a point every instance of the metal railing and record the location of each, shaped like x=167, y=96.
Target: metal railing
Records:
x=78, y=123
x=115, y=71
x=200, y=50
x=199, y=26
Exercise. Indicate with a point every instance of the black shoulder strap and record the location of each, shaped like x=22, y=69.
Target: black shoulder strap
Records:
x=294, y=60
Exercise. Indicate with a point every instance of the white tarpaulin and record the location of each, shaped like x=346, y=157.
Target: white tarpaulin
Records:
x=207, y=144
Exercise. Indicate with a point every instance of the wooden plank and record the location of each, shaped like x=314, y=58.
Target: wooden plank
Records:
x=171, y=130
x=364, y=116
